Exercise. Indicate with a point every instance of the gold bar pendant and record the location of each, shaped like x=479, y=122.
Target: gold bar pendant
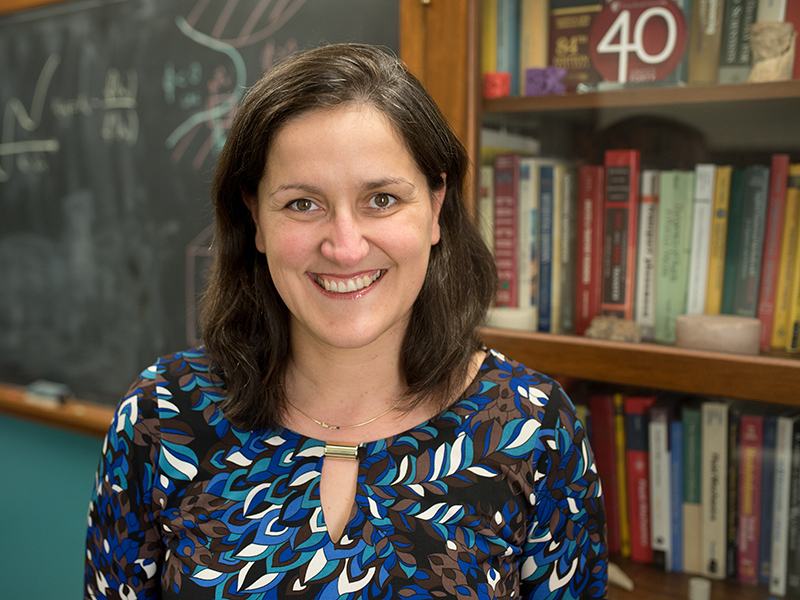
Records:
x=341, y=451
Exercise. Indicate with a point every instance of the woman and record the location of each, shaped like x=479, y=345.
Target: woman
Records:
x=342, y=432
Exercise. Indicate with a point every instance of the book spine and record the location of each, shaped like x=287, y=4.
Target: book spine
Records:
x=715, y=485
x=533, y=37
x=793, y=323
x=767, y=487
x=622, y=476
x=719, y=231
x=793, y=17
x=486, y=205
x=751, y=442
x=735, y=55
x=771, y=10
x=621, y=222
x=572, y=22
x=692, y=491
x=591, y=189
x=569, y=232
x=636, y=433
x=793, y=543
x=732, y=497
x=555, y=250
x=676, y=493
x=545, y=247
x=789, y=253
x=745, y=301
x=489, y=36
x=776, y=211
x=508, y=41
x=645, y=305
x=732, y=244
x=780, y=506
x=660, y=493
x=705, y=39
x=528, y=244
x=506, y=233
x=601, y=408
x=704, y=178
x=676, y=194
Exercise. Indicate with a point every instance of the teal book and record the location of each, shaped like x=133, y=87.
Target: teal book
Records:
x=692, y=489
x=751, y=241
x=676, y=199
x=732, y=248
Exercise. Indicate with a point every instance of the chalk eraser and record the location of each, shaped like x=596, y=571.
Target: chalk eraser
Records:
x=47, y=393
x=718, y=333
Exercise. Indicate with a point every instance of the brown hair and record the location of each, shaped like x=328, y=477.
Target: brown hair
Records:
x=245, y=323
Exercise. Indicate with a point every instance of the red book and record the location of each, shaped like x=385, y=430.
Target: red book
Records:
x=506, y=231
x=589, y=285
x=773, y=233
x=751, y=443
x=601, y=409
x=621, y=216
x=637, y=410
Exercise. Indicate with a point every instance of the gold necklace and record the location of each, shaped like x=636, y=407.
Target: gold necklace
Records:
x=329, y=426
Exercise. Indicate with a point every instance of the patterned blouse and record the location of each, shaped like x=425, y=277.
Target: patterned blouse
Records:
x=497, y=497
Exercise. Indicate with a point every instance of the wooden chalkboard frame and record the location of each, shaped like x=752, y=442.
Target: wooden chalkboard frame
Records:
x=10, y=6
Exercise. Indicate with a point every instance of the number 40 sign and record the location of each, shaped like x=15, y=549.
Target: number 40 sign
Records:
x=638, y=40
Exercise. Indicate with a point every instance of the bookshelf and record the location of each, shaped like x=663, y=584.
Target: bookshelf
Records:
x=440, y=41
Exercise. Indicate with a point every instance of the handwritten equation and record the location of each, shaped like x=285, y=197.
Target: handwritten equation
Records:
x=29, y=155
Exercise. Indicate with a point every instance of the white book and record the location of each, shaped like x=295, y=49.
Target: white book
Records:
x=705, y=176
x=486, y=206
x=660, y=488
x=715, y=486
x=645, y=305
x=771, y=10
x=780, y=505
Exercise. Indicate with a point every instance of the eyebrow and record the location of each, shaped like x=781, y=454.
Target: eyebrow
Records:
x=369, y=185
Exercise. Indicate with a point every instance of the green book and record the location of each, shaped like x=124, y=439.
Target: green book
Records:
x=676, y=207
x=751, y=241
x=735, y=208
x=692, y=490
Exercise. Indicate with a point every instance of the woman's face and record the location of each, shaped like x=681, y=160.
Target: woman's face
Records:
x=346, y=221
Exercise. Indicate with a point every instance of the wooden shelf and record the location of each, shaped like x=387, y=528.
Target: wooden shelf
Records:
x=648, y=96
x=83, y=417
x=652, y=584
x=763, y=378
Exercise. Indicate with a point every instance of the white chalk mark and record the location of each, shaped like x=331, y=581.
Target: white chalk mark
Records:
x=51, y=145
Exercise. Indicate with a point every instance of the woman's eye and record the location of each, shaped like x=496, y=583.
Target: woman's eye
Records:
x=382, y=200
x=302, y=205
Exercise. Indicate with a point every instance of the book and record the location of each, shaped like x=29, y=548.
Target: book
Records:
x=704, y=179
x=506, y=230
x=622, y=476
x=568, y=41
x=645, y=304
x=751, y=241
x=793, y=322
x=508, y=41
x=489, y=36
x=793, y=524
x=715, y=486
x=533, y=41
x=546, y=226
x=676, y=491
x=771, y=10
x=780, y=504
x=528, y=238
x=691, y=418
x=719, y=232
x=735, y=58
x=770, y=434
x=568, y=246
x=486, y=205
x=705, y=40
x=638, y=473
x=660, y=486
x=601, y=407
x=732, y=495
x=751, y=443
x=732, y=243
x=621, y=217
x=556, y=307
x=773, y=232
x=789, y=253
x=589, y=251
x=676, y=198
x=793, y=17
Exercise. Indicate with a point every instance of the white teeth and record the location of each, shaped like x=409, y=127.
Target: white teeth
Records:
x=350, y=285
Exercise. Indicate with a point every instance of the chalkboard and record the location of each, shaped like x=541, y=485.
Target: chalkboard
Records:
x=114, y=112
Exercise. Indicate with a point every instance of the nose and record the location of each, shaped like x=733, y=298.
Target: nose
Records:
x=344, y=242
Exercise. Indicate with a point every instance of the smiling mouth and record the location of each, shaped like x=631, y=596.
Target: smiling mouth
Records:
x=346, y=286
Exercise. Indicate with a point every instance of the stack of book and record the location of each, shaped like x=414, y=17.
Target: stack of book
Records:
x=573, y=243
x=702, y=486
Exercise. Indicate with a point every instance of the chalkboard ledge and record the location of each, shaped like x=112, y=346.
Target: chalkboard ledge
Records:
x=76, y=415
